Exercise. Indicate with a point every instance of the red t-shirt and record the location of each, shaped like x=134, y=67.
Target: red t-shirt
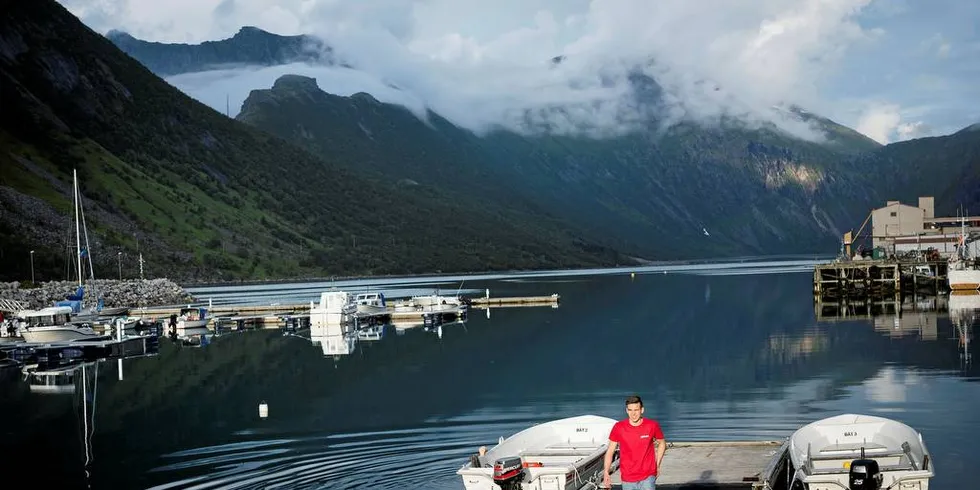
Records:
x=637, y=452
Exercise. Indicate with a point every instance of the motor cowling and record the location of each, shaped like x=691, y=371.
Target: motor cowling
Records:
x=864, y=475
x=508, y=472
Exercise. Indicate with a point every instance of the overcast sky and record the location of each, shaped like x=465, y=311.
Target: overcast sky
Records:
x=892, y=69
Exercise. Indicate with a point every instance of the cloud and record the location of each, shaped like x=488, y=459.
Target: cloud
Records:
x=912, y=130
x=484, y=64
x=883, y=122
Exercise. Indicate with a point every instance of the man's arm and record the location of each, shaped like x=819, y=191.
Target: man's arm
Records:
x=661, y=449
x=607, y=462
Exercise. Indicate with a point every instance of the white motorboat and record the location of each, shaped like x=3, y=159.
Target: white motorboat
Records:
x=963, y=279
x=335, y=308
x=964, y=271
x=433, y=302
x=192, y=318
x=563, y=454
x=53, y=324
x=370, y=304
x=857, y=452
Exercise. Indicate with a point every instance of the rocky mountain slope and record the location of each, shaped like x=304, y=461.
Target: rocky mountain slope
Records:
x=203, y=196
x=689, y=192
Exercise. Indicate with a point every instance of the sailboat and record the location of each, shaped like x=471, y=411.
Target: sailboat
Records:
x=67, y=329
x=961, y=275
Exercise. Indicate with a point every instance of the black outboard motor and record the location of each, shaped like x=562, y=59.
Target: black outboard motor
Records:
x=864, y=475
x=508, y=473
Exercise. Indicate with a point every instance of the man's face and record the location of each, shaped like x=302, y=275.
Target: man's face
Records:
x=634, y=411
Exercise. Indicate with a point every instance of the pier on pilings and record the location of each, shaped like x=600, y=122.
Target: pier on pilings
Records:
x=857, y=279
x=878, y=278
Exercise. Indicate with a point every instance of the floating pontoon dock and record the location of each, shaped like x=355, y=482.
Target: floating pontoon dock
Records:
x=276, y=315
x=484, y=302
x=717, y=464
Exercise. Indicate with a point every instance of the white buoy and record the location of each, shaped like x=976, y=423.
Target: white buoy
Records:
x=263, y=410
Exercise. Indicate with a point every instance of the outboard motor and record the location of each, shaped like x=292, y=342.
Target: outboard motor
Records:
x=864, y=475
x=508, y=473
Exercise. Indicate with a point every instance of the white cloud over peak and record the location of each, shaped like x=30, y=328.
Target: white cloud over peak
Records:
x=485, y=63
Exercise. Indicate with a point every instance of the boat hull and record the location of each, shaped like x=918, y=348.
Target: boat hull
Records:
x=370, y=310
x=44, y=335
x=964, y=280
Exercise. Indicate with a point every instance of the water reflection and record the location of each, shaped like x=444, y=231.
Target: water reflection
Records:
x=337, y=340
x=922, y=318
x=401, y=405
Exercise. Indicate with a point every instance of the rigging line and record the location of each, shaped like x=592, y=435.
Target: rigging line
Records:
x=78, y=224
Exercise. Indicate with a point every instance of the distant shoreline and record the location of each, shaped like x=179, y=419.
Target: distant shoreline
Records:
x=624, y=269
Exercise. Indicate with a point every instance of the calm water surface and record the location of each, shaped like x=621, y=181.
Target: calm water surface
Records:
x=716, y=354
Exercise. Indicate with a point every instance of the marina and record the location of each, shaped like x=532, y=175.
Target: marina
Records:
x=730, y=380
x=401, y=310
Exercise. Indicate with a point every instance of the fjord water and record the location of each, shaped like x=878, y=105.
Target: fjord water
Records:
x=716, y=354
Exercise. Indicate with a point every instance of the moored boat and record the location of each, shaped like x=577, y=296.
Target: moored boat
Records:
x=964, y=267
x=963, y=279
x=564, y=454
x=371, y=304
x=334, y=308
x=53, y=324
x=857, y=452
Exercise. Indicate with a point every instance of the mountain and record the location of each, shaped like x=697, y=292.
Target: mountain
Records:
x=947, y=167
x=250, y=46
x=688, y=192
x=202, y=196
x=652, y=193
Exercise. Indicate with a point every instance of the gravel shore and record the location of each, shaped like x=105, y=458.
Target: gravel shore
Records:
x=151, y=292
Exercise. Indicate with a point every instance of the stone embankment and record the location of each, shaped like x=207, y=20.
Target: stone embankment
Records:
x=132, y=293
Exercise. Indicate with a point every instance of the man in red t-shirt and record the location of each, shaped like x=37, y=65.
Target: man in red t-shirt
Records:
x=641, y=448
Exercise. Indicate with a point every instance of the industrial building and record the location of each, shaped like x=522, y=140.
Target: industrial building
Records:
x=898, y=228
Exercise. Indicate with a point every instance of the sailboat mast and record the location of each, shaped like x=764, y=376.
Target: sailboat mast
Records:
x=78, y=230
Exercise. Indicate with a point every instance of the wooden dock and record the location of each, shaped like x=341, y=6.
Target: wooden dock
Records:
x=485, y=302
x=877, y=278
x=716, y=464
x=274, y=316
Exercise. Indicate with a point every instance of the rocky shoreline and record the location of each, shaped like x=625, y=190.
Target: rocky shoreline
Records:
x=151, y=292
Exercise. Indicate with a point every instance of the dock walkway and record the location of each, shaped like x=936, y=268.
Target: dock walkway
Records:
x=716, y=464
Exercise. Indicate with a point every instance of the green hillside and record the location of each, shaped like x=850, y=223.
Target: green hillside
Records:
x=206, y=197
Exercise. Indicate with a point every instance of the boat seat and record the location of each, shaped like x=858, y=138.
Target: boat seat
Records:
x=851, y=454
x=559, y=452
